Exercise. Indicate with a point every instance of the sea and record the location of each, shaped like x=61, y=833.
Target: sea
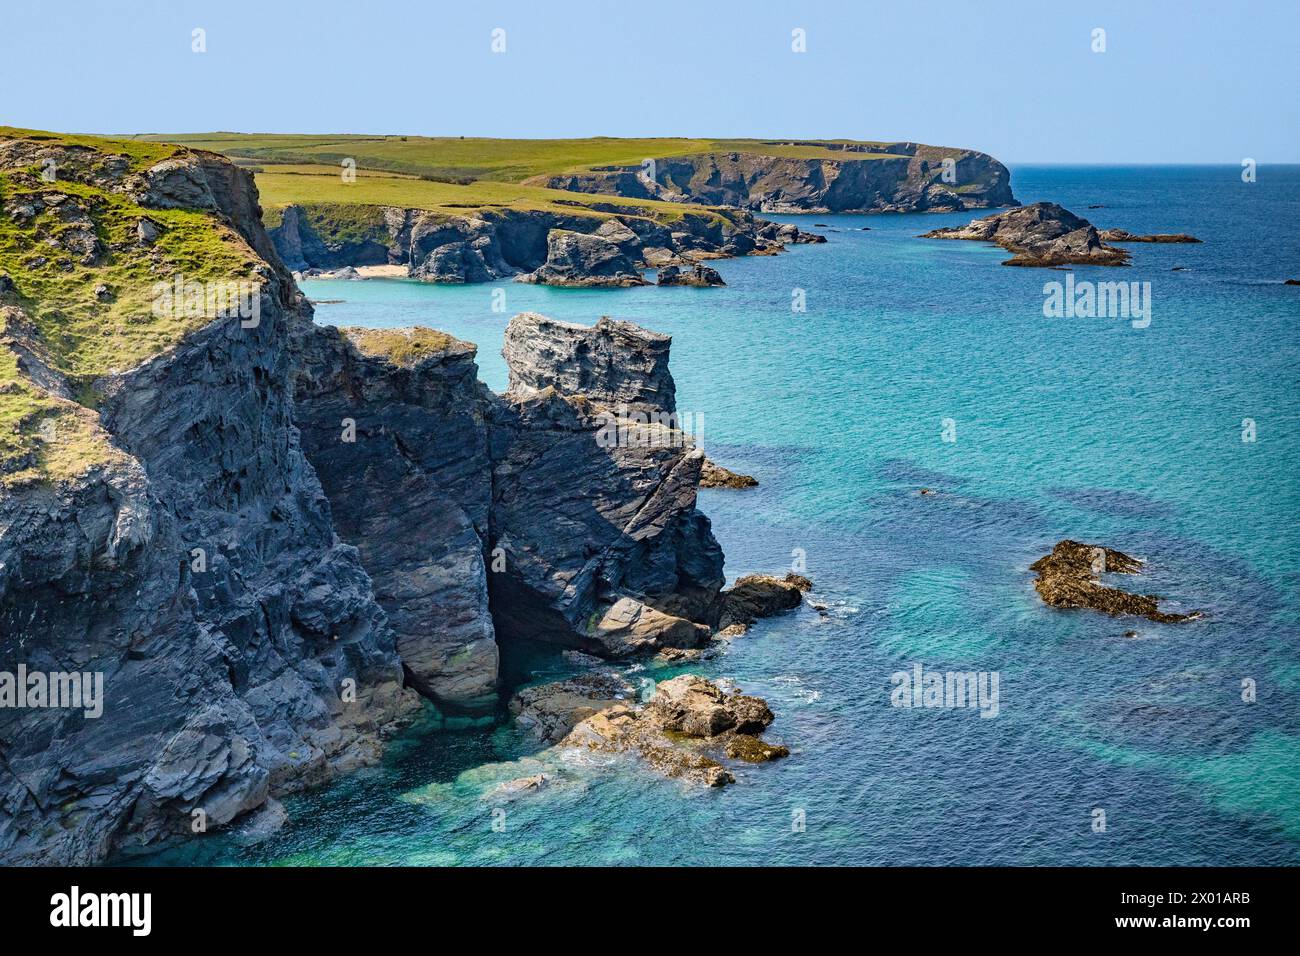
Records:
x=847, y=377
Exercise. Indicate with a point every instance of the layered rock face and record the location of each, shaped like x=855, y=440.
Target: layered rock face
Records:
x=603, y=245
x=193, y=565
x=286, y=529
x=1043, y=234
x=908, y=178
x=394, y=423
x=577, y=259
x=615, y=558
x=612, y=363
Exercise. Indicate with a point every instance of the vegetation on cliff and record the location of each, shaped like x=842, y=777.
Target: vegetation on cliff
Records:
x=77, y=287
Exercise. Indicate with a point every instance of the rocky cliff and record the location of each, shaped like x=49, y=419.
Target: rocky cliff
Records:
x=892, y=177
x=598, y=244
x=267, y=536
x=171, y=537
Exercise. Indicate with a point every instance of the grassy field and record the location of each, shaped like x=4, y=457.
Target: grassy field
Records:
x=313, y=185
x=492, y=160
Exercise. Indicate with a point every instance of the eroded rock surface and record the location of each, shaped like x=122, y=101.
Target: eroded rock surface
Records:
x=682, y=731
x=193, y=564
x=594, y=503
x=587, y=260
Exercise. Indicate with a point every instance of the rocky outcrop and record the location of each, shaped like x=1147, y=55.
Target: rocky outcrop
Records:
x=1043, y=234
x=547, y=712
x=682, y=731
x=888, y=177
x=280, y=530
x=394, y=423
x=701, y=276
x=594, y=490
x=715, y=476
x=757, y=596
x=194, y=566
x=578, y=259
x=1123, y=235
x=611, y=363
x=1070, y=577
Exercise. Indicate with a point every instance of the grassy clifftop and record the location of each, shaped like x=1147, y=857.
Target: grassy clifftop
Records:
x=495, y=160
x=78, y=287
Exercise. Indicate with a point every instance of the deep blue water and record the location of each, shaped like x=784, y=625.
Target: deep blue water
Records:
x=1082, y=428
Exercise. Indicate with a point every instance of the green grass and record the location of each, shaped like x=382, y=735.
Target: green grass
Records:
x=82, y=337
x=402, y=346
x=493, y=160
x=319, y=185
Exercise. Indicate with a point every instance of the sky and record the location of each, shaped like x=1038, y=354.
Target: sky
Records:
x=1189, y=82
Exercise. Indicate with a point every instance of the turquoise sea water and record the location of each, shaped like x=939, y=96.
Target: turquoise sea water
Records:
x=1082, y=428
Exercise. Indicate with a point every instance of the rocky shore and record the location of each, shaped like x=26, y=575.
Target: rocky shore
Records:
x=684, y=730
x=598, y=245
x=273, y=537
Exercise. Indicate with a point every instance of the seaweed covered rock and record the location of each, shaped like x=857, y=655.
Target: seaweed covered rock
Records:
x=1070, y=577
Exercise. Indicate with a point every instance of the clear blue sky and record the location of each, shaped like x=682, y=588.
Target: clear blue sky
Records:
x=1178, y=83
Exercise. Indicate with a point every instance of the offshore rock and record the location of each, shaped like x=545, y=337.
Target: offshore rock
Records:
x=1070, y=577
x=1043, y=234
x=594, y=504
x=757, y=596
x=700, y=276
x=715, y=476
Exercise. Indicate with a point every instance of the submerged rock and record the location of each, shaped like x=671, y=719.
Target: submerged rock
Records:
x=1042, y=234
x=1122, y=235
x=715, y=476
x=1070, y=577
x=753, y=750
